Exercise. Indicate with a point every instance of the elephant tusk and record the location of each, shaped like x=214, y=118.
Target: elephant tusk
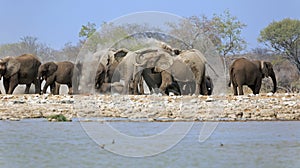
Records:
x=262, y=64
x=139, y=65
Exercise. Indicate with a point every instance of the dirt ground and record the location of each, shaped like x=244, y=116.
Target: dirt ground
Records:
x=263, y=107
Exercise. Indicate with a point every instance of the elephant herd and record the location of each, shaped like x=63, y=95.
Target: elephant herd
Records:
x=166, y=69
x=27, y=69
x=162, y=69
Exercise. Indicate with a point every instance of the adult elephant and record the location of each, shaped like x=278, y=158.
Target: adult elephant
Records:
x=59, y=72
x=154, y=81
x=188, y=66
x=106, y=69
x=100, y=76
x=20, y=70
x=250, y=73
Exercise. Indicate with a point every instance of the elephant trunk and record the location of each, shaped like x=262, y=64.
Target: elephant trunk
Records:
x=272, y=75
x=39, y=76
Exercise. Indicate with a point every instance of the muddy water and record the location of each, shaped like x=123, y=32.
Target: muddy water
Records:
x=38, y=143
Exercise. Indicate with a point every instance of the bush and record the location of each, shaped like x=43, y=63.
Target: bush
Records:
x=57, y=118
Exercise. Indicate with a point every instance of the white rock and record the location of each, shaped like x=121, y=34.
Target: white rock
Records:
x=8, y=97
x=245, y=97
x=14, y=119
x=270, y=94
x=193, y=100
x=210, y=99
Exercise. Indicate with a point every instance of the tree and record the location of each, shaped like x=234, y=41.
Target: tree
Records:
x=283, y=37
x=228, y=30
x=194, y=31
x=29, y=45
x=224, y=31
x=69, y=52
x=109, y=34
x=88, y=30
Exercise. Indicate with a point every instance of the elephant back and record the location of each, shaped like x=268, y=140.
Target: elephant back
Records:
x=29, y=64
x=29, y=61
x=192, y=57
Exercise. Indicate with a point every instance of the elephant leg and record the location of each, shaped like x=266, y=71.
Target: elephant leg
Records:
x=125, y=88
x=235, y=90
x=192, y=87
x=199, y=86
x=13, y=84
x=252, y=87
x=52, y=88
x=27, y=88
x=197, y=90
x=37, y=86
x=257, y=87
x=136, y=82
x=50, y=81
x=70, y=89
x=141, y=86
x=166, y=81
x=47, y=84
x=6, y=82
x=204, y=89
x=45, y=87
x=241, y=92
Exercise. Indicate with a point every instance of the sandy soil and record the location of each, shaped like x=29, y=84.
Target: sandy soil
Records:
x=153, y=107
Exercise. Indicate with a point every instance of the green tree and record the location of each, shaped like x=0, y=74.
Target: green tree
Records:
x=283, y=37
x=224, y=31
x=88, y=30
x=228, y=29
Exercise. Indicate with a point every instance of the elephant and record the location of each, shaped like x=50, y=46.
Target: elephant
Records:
x=189, y=87
x=21, y=69
x=154, y=80
x=188, y=66
x=59, y=72
x=250, y=73
x=100, y=76
x=106, y=69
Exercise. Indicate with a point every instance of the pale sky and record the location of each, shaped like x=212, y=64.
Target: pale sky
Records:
x=56, y=22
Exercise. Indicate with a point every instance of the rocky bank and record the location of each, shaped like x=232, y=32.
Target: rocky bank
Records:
x=264, y=107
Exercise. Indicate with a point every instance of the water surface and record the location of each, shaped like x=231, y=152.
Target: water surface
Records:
x=38, y=143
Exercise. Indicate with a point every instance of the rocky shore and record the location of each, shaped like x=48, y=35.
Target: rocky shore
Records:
x=263, y=107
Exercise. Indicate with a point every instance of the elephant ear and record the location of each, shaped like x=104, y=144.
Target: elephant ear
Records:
x=52, y=68
x=12, y=67
x=164, y=62
x=120, y=54
x=264, y=68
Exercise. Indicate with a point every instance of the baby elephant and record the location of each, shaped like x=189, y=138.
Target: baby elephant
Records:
x=60, y=73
